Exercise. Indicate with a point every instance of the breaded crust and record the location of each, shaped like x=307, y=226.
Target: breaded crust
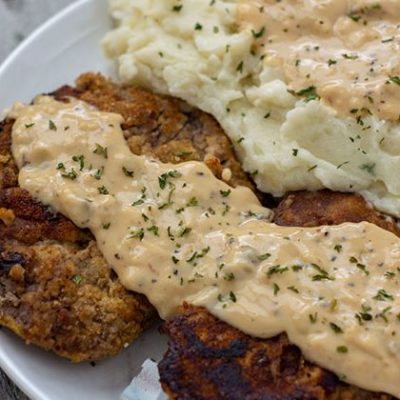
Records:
x=209, y=360
x=327, y=208
x=56, y=289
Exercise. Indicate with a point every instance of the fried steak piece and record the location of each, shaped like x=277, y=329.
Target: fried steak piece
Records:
x=209, y=360
x=56, y=289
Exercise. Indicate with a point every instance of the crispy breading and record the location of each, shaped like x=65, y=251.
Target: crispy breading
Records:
x=56, y=289
x=209, y=360
x=326, y=208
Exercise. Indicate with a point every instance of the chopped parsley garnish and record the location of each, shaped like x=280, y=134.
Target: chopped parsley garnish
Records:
x=335, y=328
x=258, y=34
x=81, y=160
x=198, y=27
x=263, y=257
x=350, y=56
x=153, y=229
x=239, y=68
x=101, y=151
x=163, y=179
x=98, y=174
x=139, y=234
x=310, y=93
x=225, y=193
x=322, y=275
x=193, y=202
x=382, y=295
x=389, y=274
x=293, y=289
x=77, y=279
x=52, y=126
x=276, y=289
x=395, y=79
x=177, y=8
x=276, y=269
x=313, y=318
x=342, y=349
x=127, y=172
x=107, y=226
x=184, y=231
x=29, y=125
x=370, y=168
x=230, y=276
x=103, y=190
x=175, y=260
x=70, y=175
x=364, y=315
x=338, y=248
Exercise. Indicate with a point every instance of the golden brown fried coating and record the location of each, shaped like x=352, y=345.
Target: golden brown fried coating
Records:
x=329, y=208
x=208, y=359
x=56, y=289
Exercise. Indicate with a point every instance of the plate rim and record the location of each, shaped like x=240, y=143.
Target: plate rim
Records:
x=15, y=375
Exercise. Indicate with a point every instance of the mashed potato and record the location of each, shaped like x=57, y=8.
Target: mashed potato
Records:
x=288, y=137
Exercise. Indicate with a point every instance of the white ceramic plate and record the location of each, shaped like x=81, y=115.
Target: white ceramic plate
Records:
x=56, y=54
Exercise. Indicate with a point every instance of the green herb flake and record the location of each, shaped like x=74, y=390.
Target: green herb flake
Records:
x=338, y=248
x=70, y=175
x=342, y=349
x=258, y=34
x=81, y=160
x=139, y=234
x=103, y=190
x=127, y=173
x=335, y=328
x=101, y=151
x=382, y=295
x=77, y=279
x=52, y=126
x=276, y=269
x=310, y=93
x=313, y=318
x=225, y=193
x=395, y=79
x=154, y=229
x=263, y=257
x=276, y=289
x=230, y=276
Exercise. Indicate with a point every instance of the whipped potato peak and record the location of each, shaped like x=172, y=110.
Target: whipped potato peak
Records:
x=176, y=233
x=308, y=91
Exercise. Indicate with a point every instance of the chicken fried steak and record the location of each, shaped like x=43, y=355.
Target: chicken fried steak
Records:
x=56, y=289
x=208, y=359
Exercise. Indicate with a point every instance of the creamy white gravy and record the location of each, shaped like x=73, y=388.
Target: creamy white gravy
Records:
x=345, y=51
x=176, y=233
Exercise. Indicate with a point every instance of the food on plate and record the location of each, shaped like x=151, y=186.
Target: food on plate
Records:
x=176, y=234
x=209, y=360
x=56, y=289
x=308, y=91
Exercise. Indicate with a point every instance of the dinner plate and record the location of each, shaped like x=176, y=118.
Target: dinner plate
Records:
x=60, y=50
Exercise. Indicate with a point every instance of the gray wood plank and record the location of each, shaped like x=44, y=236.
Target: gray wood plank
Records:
x=18, y=19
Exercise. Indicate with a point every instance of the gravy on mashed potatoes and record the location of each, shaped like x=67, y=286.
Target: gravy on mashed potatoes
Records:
x=308, y=91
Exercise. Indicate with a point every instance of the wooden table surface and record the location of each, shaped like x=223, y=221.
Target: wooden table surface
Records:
x=18, y=19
